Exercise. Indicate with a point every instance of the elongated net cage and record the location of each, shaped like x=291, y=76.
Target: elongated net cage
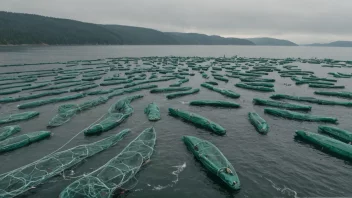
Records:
x=117, y=113
x=20, y=180
x=299, y=116
x=67, y=111
x=22, y=140
x=198, y=120
x=18, y=117
x=7, y=131
x=213, y=160
x=116, y=174
x=152, y=112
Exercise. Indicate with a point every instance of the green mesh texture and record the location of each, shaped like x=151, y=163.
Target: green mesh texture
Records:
x=18, y=117
x=29, y=97
x=261, y=84
x=64, y=86
x=14, y=86
x=7, y=92
x=221, y=78
x=198, y=121
x=343, y=94
x=213, y=160
x=179, y=83
x=170, y=89
x=140, y=88
x=22, y=140
x=326, y=86
x=204, y=75
x=147, y=81
x=327, y=144
x=212, y=83
x=67, y=111
x=115, y=82
x=224, y=92
x=91, y=78
x=341, y=134
x=257, y=79
x=22, y=179
x=256, y=88
x=50, y=101
x=116, y=173
x=298, y=116
x=99, y=92
x=311, y=100
x=83, y=88
x=258, y=122
x=153, y=112
x=284, y=105
x=214, y=103
x=117, y=113
x=18, y=82
x=7, y=131
x=182, y=93
x=36, y=86
x=115, y=78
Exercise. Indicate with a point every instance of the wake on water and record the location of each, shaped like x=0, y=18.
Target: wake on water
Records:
x=284, y=190
x=178, y=170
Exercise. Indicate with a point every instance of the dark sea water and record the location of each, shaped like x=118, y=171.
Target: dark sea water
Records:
x=274, y=165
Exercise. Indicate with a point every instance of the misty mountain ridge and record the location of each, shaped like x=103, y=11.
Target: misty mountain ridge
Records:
x=271, y=41
x=18, y=29
x=333, y=44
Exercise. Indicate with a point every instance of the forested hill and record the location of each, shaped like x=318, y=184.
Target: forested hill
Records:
x=16, y=28
x=271, y=42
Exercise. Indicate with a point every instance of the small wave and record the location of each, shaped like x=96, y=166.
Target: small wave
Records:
x=178, y=170
x=284, y=190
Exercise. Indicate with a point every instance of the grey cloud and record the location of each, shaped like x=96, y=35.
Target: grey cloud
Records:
x=301, y=21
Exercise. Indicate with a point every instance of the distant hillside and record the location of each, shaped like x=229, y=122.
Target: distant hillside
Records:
x=333, y=44
x=33, y=29
x=140, y=36
x=271, y=41
x=202, y=39
x=16, y=28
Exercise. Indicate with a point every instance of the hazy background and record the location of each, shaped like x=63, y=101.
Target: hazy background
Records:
x=304, y=21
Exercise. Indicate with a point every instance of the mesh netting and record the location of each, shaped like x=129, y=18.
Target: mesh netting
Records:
x=152, y=112
x=341, y=134
x=19, y=117
x=259, y=123
x=49, y=101
x=224, y=92
x=256, y=88
x=311, y=100
x=12, y=91
x=213, y=160
x=285, y=105
x=7, y=131
x=298, y=116
x=342, y=94
x=22, y=140
x=116, y=173
x=67, y=111
x=182, y=93
x=215, y=103
x=117, y=113
x=327, y=144
x=29, y=97
x=22, y=179
x=198, y=120
x=262, y=84
x=170, y=89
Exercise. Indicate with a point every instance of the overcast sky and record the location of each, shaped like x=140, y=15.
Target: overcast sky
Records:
x=301, y=21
